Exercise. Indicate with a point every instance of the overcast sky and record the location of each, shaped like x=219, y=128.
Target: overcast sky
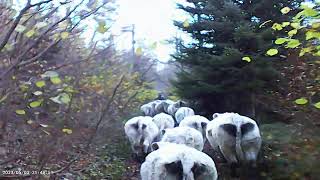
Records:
x=153, y=20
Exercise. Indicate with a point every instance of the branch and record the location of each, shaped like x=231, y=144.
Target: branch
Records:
x=17, y=20
x=20, y=57
x=35, y=58
x=105, y=110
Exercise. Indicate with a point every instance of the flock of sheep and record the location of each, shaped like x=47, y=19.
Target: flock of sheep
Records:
x=171, y=138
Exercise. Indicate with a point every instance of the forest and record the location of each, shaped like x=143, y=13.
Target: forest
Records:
x=68, y=93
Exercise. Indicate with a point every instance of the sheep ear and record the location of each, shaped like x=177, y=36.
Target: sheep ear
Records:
x=230, y=129
x=203, y=125
x=163, y=132
x=215, y=115
x=245, y=128
x=154, y=146
x=195, y=125
x=174, y=168
x=198, y=169
x=135, y=125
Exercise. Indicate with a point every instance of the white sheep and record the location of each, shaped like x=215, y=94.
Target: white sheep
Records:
x=141, y=132
x=183, y=135
x=176, y=161
x=172, y=108
x=197, y=122
x=149, y=109
x=163, y=121
x=182, y=113
x=238, y=137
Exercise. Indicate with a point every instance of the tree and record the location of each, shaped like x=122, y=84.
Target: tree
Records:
x=226, y=66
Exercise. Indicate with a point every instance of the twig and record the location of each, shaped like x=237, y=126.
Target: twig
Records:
x=17, y=20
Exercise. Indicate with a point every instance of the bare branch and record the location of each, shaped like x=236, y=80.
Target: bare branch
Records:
x=35, y=58
x=17, y=20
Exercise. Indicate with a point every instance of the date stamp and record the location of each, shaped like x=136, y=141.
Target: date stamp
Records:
x=23, y=172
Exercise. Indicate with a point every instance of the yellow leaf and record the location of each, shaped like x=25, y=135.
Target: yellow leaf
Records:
x=246, y=58
x=35, y=104
x=317, y=105
x=40, y=84
x=139, y=51
x=295, y=25
x=64, y=35
x=20, y=111
x=30, y=33
x=277, y=26
x=285, y=24
x=68, y=131
x=272, y=52
x=186, y=23
x=20, y=28
x=292, y=32
x=29, y=121
x=301, y=101
x=285, y=10
x=55, y=80
x=280, y=40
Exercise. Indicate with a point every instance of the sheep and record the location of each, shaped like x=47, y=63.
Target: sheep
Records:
x=172, y=108
x=141, y=132
x=149, y=109
x=182, y=113
x=177, y=161
x=183, y=135
x=197, y=122
x=163, y=121
x=237, y=137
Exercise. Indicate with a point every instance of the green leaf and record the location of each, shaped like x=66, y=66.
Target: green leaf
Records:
x=293, y=43
x=292, y=32
x=295, y=25
x=277, y=26
x=246, y=58
x=40, y=84
x=20, y=111
x=285, y=24
x=301, y=101
x=35, y=104
x=312, y=34
x=280, y=40
x=309, y=12
x=65, y=98
x=20, y=28
x=272, y=52
x=317, y=105
x=30, y=33
x=62, y=98
x=55, y=80
x=64, y=35
x=285, y=10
